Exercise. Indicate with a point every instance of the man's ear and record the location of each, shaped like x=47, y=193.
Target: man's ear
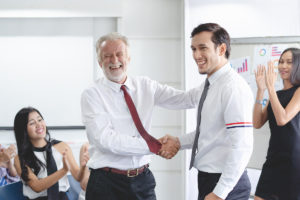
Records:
x=100, y=64
x=222, y=49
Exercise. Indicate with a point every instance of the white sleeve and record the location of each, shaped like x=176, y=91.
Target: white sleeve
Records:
x=237, y=104
x=100, y=130
x=187, y=140
x=171, y=98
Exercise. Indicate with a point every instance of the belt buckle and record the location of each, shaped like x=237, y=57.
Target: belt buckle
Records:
x=128, y=173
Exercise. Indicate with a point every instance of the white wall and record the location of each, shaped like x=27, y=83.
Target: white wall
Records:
x=60, y=8
x=155, y=31
x=249, y=18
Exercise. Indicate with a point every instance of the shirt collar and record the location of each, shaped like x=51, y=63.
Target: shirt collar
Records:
x=219, y=73
x=117, y=86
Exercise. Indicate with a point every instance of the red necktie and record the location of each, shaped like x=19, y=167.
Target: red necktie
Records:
x=153, y=144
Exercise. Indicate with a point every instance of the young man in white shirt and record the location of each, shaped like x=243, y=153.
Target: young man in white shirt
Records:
x=225, y=134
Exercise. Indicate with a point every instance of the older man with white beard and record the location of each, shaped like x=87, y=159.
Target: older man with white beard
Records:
x=117, y=113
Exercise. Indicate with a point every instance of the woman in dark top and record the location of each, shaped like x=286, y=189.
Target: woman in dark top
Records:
x=280, y=177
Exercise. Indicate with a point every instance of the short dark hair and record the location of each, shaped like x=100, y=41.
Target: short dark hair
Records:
x=219, y=36
x=295, y=73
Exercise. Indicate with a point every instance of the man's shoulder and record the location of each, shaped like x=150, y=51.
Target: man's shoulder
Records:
x=94, y=87
x=143, y=81
x=233, y=79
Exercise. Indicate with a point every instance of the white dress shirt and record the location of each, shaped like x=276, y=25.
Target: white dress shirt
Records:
x=114, y=140
x=226, y=134
x=63, y=182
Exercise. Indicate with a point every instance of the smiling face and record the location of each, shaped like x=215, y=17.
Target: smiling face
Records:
x=208, y=58
x=114, y=60
x=285, y=65
x=36, y=127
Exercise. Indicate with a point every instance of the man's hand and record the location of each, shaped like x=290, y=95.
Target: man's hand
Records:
x=212, y=196
x=170, y=146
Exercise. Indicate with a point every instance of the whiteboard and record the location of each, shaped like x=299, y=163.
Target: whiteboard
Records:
x=245, y=47
x=47, y=63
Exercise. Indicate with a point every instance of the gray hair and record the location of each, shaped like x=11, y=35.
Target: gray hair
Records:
x=109, y=37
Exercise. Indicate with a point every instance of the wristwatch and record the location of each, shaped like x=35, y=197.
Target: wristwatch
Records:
x=259, y=102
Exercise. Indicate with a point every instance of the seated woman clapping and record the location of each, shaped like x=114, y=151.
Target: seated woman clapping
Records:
x=42, y=162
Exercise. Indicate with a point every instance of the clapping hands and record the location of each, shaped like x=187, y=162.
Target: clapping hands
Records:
x=170, y=146
x=6, y=154
x=265, y=79
x=84, y=155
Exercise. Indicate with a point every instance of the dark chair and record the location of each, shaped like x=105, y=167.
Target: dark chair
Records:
x=74, y=190
x=13, y=191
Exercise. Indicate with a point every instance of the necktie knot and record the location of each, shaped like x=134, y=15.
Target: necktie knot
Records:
x=123, y=87
x=206, y=83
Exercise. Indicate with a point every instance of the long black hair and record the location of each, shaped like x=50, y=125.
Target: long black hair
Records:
x=25, y=147
x=295, y=73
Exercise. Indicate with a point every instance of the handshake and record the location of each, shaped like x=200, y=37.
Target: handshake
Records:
x=170, y=146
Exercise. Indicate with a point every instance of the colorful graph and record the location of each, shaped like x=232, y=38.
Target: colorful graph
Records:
x=244, y=67
x=262, y=52
x=275, y=51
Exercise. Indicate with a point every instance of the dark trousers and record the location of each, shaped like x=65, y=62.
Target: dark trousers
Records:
x=208, y=181
x=62, y=196
x=104, y=185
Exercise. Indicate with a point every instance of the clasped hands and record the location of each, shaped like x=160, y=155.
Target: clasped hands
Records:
x=170, y=146
x=7, y=153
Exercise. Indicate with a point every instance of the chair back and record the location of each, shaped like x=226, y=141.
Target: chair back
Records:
x=74, y=190
x=13, y=191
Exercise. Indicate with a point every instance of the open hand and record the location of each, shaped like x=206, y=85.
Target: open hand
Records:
x=271, y=75
x=66, y=164
x=84, y=155
x=260, y=77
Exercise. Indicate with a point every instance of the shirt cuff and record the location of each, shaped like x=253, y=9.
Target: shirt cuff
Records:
x=185, y=142
x=222, y=191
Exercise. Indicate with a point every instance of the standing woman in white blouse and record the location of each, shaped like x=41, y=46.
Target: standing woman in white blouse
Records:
x=42, y=163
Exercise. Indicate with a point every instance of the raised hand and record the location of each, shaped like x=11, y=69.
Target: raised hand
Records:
x=84, y=155
x=7, y=154
x=170, y=146
x=260, y=77
x=66, y=164
x=271, y=75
